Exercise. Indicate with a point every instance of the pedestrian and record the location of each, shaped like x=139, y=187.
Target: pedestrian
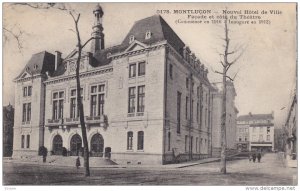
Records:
x=250, y=157
x=254, y=157
x=77, y=163
x=258, y=156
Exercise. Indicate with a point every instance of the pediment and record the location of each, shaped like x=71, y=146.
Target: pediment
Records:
x=136, y=45
x=25, y=75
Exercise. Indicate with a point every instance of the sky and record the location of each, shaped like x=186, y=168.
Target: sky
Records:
x=266, y=72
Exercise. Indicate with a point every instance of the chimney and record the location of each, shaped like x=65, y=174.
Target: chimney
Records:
x=57, y=59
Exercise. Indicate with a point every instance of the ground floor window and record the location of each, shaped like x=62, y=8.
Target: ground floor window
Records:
x=97, y=144
x=75, y=145
x=129, y=140
x=57, y=145
x=140, y=140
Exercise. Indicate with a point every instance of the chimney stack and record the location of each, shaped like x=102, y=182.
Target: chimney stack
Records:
x=57, y=59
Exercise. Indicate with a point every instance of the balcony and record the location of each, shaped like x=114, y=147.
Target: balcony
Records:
x=99, y=120
x=54, y=122
x=26, y=123
x=72, y=121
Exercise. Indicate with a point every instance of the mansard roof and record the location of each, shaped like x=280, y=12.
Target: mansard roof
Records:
x=39, y=63
x=252, y=117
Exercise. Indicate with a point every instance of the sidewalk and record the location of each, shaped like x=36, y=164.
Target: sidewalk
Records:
x=167, y=166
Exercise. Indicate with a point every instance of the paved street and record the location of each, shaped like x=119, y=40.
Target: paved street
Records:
x=270, y=171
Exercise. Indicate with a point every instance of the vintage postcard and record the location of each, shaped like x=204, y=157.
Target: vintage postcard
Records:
x=191, y=94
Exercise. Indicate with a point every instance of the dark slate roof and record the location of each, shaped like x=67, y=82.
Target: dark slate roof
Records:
x=160, y=30
x=255, y=117
x=39, y=63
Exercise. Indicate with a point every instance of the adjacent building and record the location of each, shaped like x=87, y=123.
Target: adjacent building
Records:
x=231, y=116
x=255, y=132
x=8, y=124
x=148, y=99
x=291, y=128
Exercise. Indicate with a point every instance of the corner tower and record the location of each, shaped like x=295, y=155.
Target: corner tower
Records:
x=98, y=41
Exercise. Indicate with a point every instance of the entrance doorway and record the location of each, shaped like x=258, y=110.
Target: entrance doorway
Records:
x=57, y=145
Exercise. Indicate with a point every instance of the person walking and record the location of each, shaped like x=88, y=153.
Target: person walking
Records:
x=77, y=163
x=258, y=156
x=250, y=157
x=254, y=157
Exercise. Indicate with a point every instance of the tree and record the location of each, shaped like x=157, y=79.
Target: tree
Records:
x=76, y=17
x=226, y=65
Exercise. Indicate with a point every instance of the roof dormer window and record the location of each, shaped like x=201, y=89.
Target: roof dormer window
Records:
x=131, y=38
x=35, y=66
x=148, y=34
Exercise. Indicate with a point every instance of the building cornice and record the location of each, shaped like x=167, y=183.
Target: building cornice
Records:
x=102, y=70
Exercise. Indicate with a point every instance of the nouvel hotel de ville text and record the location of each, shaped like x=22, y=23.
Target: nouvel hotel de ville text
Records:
x=148, y=99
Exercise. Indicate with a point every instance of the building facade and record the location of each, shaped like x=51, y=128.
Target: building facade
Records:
x=8, y=124
x=231, y=116
x=255, y=132
x=291, y=128
x=147, y=99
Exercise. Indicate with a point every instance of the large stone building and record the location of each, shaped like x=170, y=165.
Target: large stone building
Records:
x=8, y=124
x=148, y=99
x=231, y=115
x=255, y=132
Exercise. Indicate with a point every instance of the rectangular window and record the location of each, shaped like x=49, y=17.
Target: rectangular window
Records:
x=58, y=105
x=129, y=140
x=28, y=141
x=142, y=68
x=24, y=91
x=192, y=87
x=27, y=91
x=186, y=107
x=131, y=100
x=140, y=140
x=74, y=110
x=22, y=141
x=197, y=145
x=198, y=112
x=132, y=70
x=186, y=144
x=97, y=100
x=171, y=71
x=141, y=99
x=191, y=145
x=187, y=83
x=192, y=111
x=178, y=111
x=26, y=112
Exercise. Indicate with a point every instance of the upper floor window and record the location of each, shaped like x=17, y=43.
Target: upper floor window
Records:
x=58, y=104
x=148, y=35
x=132, y=70
x=97, y=100
x=74, y=109
x=142, y=68
x=187, y=83
x=27, y=91
x=28, y=141
x=178, y=111
x=141, y=99
x=171, y=71
x=140, y=140
x=131, y=100
x=131, y=38
x=26, y=112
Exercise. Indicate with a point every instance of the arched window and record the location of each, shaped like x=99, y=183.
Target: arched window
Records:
x=76, y=144
x=57, y=145
x=129, y=140
x=148, y=35
x=140, y=140
x=97, y=144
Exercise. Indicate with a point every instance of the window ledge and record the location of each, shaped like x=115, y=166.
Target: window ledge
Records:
x=140, y=151
x=129, y=151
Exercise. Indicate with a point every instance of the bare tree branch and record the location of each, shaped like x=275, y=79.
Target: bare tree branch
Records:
x=16, y=36
x=229, y=78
